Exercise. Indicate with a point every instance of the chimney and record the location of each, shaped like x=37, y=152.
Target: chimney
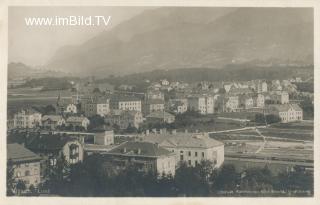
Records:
x=174, y=131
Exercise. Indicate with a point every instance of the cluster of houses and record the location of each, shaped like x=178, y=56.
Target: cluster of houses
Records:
x=33, y=154
x=35, y=151
x=205, y=98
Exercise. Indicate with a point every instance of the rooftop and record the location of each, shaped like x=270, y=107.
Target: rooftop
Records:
x=194, y=140
x=145, y=149
x=17, y=153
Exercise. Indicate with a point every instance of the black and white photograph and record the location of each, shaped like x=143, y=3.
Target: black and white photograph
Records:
x=160, y=101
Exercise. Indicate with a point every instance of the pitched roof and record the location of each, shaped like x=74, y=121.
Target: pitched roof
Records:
x=147, y=149
x=17, y=153
x=75, y=119
x=49, y=142
x=195, y=140
x=54, y=118
x=285, y=107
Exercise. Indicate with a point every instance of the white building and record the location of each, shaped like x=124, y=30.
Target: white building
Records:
x=286, y=112
x=28, y=118
x=190, y=147
x=201, y=103
x=126, y=103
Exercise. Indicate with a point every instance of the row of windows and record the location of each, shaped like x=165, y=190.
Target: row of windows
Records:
x=189, y=153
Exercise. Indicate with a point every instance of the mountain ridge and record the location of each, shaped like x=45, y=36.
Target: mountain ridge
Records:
x=193, y=39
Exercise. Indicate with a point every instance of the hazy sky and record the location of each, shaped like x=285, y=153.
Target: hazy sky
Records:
x=34, y=45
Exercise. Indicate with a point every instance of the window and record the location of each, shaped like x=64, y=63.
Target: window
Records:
x=181, y=152
x=189, y=153
x=196, y=162
x=27, y=173
x=202, y=154
x=195, y=154
x=189, y=162
x=181, y=157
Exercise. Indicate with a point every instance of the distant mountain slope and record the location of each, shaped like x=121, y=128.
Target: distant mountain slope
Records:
x=229, y=73
x=169, y=38
x=20, y=70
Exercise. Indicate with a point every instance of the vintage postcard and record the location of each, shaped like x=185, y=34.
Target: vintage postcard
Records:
x=186, y=102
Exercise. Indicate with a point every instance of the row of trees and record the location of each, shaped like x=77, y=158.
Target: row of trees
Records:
x=95, y=177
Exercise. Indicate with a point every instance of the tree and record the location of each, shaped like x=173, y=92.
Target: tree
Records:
x=10, y=178
x=195, y=185
x=20, y=186
x=226, y=179
x=33, y=190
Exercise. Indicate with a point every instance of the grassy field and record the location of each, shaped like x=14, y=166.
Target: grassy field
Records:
x=34, y=92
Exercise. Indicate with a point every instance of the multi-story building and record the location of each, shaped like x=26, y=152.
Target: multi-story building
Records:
x=190, y=147
x=126, y=103
x=96, y=106
x=148, y=157
x=124, y=118
x=52, y=121
x=279, y=97
x=230, y=103
x=155, y=105
x=76, y=121
x=27, y=118
x=201, y=103
x=25, y=164
x=286, y=112
x=160, y=117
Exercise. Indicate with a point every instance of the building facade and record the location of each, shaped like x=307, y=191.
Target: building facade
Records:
x=27, y=118
x=286, y=112
x=25, y=164
x=191, y=148
x=148, y=157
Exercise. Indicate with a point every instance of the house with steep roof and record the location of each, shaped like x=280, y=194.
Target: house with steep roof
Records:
x=77, y=121
x=52, y=121
x=25, y=164
x=190, y=147
x=146, y=156
x=286, y=112
x=55, y=147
